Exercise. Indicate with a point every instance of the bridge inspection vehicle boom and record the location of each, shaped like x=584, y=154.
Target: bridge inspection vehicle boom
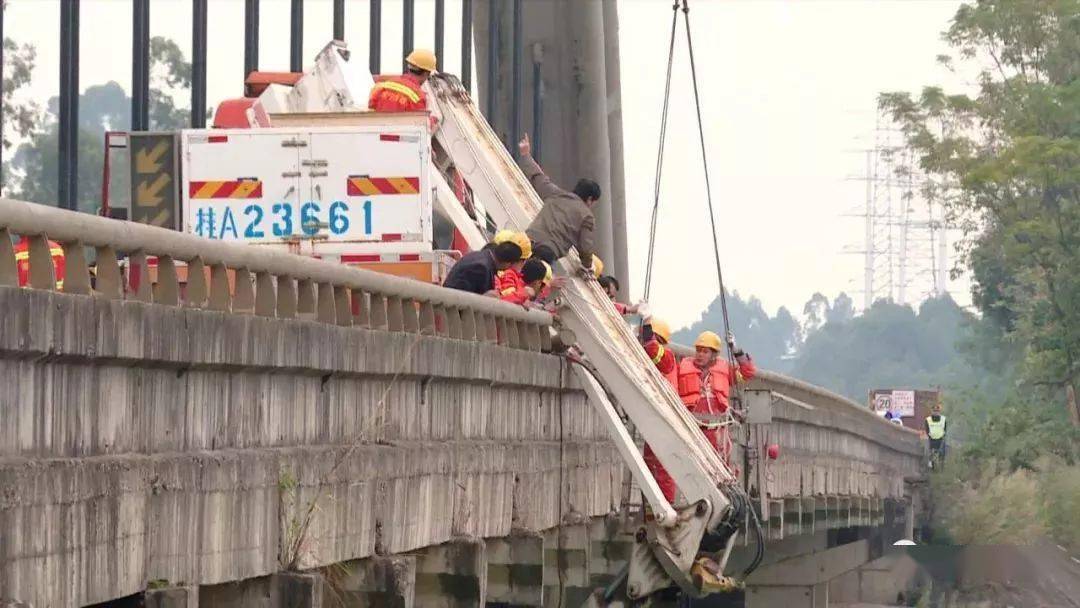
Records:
x=619, y=373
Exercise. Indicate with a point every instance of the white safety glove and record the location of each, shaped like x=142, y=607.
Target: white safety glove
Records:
x=643, y=310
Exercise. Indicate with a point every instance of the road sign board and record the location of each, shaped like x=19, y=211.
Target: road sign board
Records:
x=903, y=402
x=154, y=179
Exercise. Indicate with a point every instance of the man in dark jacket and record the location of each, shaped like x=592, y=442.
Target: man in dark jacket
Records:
x=475, y=271
x=566, y=220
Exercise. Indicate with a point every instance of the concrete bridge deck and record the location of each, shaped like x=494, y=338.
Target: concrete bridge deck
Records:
x=312, y=436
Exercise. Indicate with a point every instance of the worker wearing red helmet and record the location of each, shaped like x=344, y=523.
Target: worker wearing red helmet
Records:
x=704, y=384
x=404, y=93
x=664, y=360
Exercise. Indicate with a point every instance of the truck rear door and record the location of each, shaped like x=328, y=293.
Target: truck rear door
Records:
x=370, y=183
x=242, y=184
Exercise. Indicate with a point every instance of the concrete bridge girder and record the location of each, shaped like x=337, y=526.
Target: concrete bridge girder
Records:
x=192, y=443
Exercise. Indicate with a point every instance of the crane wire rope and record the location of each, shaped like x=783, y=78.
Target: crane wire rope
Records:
x=660, y=150
x=743, y=496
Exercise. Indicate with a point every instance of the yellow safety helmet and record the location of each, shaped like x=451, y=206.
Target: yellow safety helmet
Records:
x=423, y=59
x=597, y=266
x=707, y=339
x=661, y=329
x=549, y=274
x=518, y=238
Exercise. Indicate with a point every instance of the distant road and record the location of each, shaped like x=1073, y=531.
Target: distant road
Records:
x=1038, y=576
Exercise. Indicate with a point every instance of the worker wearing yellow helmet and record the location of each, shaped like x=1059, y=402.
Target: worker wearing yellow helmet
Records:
x=704, y=383
x=664, y=359
x=404, y=93
x=513, y=284
x=518, y=238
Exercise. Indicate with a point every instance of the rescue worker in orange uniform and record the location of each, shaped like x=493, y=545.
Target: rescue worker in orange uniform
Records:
x=509, y=284
x=704, y=384
x=664, y=360
x=22, y=261
x=404, y=93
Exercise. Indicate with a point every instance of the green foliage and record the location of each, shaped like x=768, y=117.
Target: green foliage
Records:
x=1061, y=500
x=18, y=67
x=888, y=346
x=770, y=339
x=996, y=508
x=1005, y=162
x=102, y=107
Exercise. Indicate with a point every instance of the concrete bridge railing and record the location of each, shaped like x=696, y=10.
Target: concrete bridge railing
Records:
x=839, y=461
x=244, y=279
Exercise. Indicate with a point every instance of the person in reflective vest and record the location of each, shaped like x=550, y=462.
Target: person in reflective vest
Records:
x=704, y=384
x=22, y=261
x=664, y=360
x=404, y=93
x=935, y=431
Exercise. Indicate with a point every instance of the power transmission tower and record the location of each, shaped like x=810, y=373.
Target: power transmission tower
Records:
x=903, y=249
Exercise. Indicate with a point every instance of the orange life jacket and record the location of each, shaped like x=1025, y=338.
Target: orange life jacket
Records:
x=710, y=399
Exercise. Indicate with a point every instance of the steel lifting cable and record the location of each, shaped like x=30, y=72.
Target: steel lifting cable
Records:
x=660, y=150
x=708, y=187
x=743, y=497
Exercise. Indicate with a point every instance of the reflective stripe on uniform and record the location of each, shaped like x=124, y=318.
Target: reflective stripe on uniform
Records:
x=712, y=421
x=659, y=354
x=25, y=255
x=399, y=88
x=936, y=430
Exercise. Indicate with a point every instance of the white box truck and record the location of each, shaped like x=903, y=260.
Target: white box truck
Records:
x=359, y=194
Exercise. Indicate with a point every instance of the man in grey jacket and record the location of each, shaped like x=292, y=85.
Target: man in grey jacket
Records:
x=566, y=220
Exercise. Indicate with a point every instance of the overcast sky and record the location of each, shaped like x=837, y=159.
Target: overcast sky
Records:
x=789, y=99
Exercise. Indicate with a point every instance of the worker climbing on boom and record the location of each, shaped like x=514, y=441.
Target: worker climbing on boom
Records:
x=656, y=334
x=566, y=219
x=705, y=382
x=611, y=287
x=404, y=93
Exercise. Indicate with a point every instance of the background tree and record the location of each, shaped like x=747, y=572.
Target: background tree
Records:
x=18, y=67
x=889, y=346
x=772, y=340
x=1005, y=162
x=102, y=107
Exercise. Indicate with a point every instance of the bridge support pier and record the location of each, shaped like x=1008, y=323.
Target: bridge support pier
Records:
x=298, y=589
x=515, y=571
x=800, y=596
x=566, y=566
x=380, y=581
x=609, y=549
x=452, y=575
x=171, y=597
x=887, y=580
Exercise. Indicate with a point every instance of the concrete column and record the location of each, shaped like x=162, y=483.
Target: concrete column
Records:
x=171, y=597
x=566, y=566
x=788, y=596
x=380, y=581
x=609, y=550
x=515, y=571
x=890, y=579
x=452, y=575
x=297, y=590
